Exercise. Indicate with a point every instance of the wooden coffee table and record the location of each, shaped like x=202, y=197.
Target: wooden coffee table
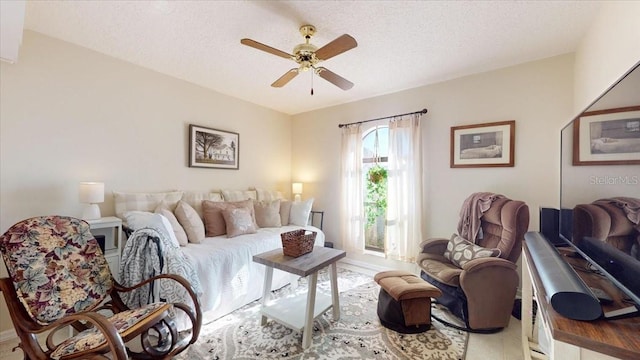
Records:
x=298, y=312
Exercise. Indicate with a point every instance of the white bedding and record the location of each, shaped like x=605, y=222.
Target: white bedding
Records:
x=228, y=275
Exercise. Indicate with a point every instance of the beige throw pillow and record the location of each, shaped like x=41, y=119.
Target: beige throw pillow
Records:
x=268, y=195
x=267, y=213
x=460, y=251
x=285, y=211
x=190, y=221
x=181, y=236
x=195, y=199
x=213, y=219
x=238, y=221
x=143, y=201
x=239, y=195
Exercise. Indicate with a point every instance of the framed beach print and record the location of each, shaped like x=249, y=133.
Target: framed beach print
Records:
x=483, y=145
x=215, y=149
x=607, y=137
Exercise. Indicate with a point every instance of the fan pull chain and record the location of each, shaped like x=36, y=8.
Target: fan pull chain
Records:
x=312, y=71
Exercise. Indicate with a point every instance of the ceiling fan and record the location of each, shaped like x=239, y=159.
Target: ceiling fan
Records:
x=308, y=56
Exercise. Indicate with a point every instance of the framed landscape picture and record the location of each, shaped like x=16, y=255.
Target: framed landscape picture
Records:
x=483, y=145
x=211, y=148
x=607, y=137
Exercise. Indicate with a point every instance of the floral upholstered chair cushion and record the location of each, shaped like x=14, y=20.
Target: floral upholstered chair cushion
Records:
x=124, y=322
x=56, y=266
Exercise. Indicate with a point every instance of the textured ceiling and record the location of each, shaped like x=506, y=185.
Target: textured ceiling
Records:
x=401, y=44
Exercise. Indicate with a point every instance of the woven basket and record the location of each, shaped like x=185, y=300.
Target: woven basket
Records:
x=298, y=242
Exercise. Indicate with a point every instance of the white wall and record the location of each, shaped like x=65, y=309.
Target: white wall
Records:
x=69, y=114
x=607, y=51
x=537, y=95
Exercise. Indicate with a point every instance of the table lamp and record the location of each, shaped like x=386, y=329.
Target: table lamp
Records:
x=296, y=189
x=91, y=193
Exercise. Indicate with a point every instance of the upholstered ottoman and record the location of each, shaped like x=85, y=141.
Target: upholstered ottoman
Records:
x=404, y=303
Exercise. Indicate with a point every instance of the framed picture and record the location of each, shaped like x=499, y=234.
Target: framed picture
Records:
x=607, y=137
x=483, y=145
x=211, y=148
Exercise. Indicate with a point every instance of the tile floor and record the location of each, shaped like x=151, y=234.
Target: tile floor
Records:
x=505, y=345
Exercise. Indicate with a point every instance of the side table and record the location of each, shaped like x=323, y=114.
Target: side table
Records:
x=111, y=228
x=299, y=312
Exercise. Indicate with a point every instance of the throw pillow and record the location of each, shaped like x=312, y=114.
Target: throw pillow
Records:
x=181, y=236
x=267, y=213
x=143, y=201
x=268, y=195
x=195, y=199
x=190, y=221
x=300, y=211
x=143, y=219
x=239, y=195
x=213, y=218
x=238, y=221
x=460, y=251
x=285, y=211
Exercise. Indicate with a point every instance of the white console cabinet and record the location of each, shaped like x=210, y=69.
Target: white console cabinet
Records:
x=111, y=228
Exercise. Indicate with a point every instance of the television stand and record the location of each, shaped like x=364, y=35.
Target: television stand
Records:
x=602, y=339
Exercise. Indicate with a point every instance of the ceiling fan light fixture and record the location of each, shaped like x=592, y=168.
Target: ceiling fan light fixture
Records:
x=304, y=66
x=306, y=49
x=307, y=56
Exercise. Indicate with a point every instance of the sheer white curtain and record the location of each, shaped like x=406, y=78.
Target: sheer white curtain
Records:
x=352, y=202
x=404, y=193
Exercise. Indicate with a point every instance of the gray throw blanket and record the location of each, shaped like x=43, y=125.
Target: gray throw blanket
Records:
x=147, y=253
x=471, y=212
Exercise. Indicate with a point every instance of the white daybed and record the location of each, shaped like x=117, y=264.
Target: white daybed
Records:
x=228, y=277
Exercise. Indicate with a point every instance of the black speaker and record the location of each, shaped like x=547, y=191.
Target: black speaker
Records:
x=566, y=292
x=566, y=223
x=550, y=225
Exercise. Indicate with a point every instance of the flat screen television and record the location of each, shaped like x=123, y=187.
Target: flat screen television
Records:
x=584, y=183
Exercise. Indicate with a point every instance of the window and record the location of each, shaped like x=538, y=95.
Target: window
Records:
x=375, y=157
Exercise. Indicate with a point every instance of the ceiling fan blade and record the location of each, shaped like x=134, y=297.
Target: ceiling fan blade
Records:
x=334, y=78
x=266, y=48
x=336, y=47
x=284, y=79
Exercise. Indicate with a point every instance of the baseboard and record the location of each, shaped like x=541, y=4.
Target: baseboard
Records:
x=8, y=335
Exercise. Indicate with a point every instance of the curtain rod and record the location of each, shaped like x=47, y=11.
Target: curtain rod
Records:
x=423, y=111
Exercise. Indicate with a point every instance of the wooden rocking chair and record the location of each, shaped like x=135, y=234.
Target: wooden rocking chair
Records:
x=59, y=277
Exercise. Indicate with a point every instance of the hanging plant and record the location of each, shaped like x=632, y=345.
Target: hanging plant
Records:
x=377, y=174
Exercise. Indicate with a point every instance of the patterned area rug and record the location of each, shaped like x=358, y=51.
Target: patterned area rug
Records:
x=357, y=335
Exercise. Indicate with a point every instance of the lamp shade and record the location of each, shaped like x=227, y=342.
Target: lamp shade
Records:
x=296, y=188
x=91, y=192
